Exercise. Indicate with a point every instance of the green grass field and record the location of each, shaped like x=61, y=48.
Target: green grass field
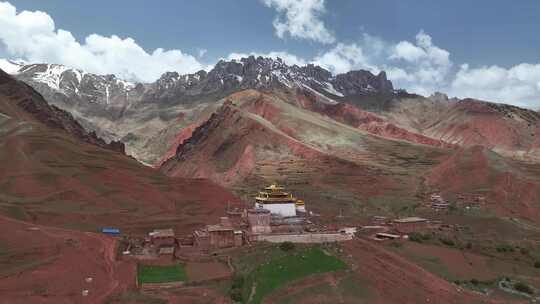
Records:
x=161, y=274
x=278, y=272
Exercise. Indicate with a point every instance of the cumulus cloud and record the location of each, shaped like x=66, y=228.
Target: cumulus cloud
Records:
x=343, y=58
x=422, y=65
x=418, y=66
x=288, y=58
x=202, y=52
x=34, y=37
x=518, y=85
x=300, y=19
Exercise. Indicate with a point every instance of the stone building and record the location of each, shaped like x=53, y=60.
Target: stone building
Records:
x=259, y=221
x=410, y=224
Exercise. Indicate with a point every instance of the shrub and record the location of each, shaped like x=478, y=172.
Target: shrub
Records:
x=238, y=282
x=524, y=251
x=537, y=264
x=236, y=295
x=236, y=289
x=504, y=248
x=475, y=282
x=287, y=246
x=415, y=237
x=469, y=245
x=419, y=237
x=522, y=287
x=447, y=242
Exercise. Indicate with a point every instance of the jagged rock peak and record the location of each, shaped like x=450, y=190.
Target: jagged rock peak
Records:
x=266, y=73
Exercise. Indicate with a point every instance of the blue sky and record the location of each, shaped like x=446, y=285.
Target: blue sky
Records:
x=483, y=49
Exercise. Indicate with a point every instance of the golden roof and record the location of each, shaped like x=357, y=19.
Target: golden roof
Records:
x=274, y=187
x=275, y=194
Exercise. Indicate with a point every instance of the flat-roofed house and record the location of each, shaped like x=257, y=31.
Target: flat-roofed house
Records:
x=162, y=237
x=164, y=240
x=221, y=236
x=259, y=221
x=410, y=224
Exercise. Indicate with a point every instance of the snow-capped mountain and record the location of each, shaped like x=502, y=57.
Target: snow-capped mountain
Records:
x=226, y=76
x=72, y=82
x=266, y=73
x=11, y=66
x=145, y=116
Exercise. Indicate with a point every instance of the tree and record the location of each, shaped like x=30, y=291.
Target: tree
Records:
x=522, y=287
x=286, y=246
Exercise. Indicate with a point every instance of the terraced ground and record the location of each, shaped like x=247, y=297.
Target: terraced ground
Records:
x=56, y=189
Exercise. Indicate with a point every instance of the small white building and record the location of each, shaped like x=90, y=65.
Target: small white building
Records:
x=282, y=209
x=278, y=202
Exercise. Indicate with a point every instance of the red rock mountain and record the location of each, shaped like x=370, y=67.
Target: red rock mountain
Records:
x=35, y=105
x=53, y=172
x=320, y=147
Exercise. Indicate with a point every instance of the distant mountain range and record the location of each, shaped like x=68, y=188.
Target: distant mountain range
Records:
x=152, y=119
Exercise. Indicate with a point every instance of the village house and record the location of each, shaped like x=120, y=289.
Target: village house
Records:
x=164, y=240
x=218, y=236
x=410, y=224
x=259, y=221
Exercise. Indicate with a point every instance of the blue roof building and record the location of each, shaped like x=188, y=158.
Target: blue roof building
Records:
x=110, y=231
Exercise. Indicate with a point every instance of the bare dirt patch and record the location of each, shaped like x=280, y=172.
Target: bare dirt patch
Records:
x=78, y=256
x=205, y=271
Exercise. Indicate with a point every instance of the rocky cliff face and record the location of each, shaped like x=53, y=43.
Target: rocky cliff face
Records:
x=226, y=76
x=34, y=104
x=138, y=114
x=151, y=118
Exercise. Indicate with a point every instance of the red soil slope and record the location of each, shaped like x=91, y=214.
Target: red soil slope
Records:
x=508, y=130
x=35, y=108
x=511, y=188
x=49, y=176
x=398, y=280
x=364, y=120
x=53, y=173
x=224, y=147
x=51, y=265
x=256, y=138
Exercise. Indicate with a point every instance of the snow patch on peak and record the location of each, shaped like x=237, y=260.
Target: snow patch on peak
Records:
x=126, y=84
x=322, y=98
x=281, y=78
x=79, y=75
x=107, y=93
x=11, y=67
x=51, y=76
x=330, y=89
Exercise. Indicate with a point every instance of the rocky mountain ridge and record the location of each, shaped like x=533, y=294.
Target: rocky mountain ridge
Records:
x=152, y=119
x=35, y=105
x=226, y=76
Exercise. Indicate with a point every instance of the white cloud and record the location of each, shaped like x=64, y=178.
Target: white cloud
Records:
x=343, y=58
x=34, y=37
x=202, y=52
x=421, y=65
x=518, y=85
x=288, y=58
x=300, y=19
